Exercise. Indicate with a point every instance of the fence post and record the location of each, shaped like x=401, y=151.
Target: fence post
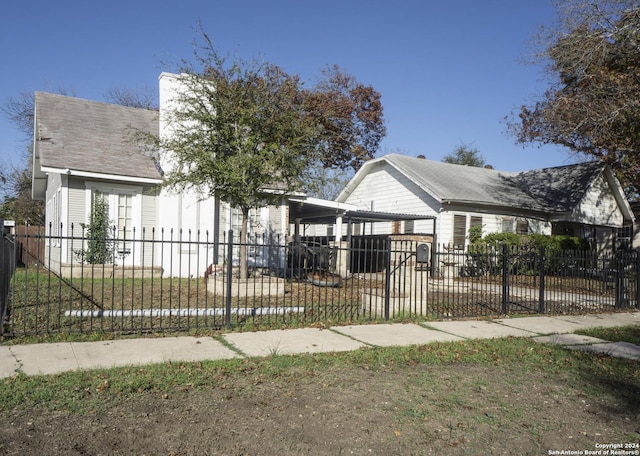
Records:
x=4, y=272
x=7, y=268
x=619, y=279
x=505, y=279
x=387, y=285
x=541, y=303
x=637, y=272
x=227, y=314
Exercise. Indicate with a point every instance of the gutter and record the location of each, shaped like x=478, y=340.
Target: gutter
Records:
x=115, y=177
x=475, y=206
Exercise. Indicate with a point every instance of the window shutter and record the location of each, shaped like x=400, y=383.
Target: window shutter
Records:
x=459, y=230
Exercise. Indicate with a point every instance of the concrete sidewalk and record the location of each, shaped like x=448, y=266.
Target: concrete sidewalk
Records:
x=45, y=359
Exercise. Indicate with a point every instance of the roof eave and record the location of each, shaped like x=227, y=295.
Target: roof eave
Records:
x=618, y=194
x=101, y=176
x=498, y=209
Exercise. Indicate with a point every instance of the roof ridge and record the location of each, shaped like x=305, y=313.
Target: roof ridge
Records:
x=556, y=188
x=75, y=99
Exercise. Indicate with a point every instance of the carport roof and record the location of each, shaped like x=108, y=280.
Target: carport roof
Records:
x=319, y=211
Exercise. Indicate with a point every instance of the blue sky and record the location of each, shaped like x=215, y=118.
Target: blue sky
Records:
x=448, y=71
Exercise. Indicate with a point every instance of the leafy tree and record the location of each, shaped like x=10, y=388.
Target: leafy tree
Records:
x=465, y=155
x=240, y=130
x=347, y=117
x=593, y=103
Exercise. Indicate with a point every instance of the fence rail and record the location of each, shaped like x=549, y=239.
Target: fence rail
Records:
x=188, y=281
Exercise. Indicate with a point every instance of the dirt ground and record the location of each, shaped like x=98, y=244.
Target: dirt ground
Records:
x=412, y=410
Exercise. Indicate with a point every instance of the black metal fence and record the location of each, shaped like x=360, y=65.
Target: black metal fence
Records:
x=7, y=268
x=183, y=281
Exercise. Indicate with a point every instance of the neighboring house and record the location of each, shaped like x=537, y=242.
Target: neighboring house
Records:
x=584, y=200
x=630, y=234
x=83, y=148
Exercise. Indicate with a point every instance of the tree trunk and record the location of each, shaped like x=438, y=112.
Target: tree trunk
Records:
x=243, y=243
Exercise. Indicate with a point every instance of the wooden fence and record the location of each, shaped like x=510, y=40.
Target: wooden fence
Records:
x=30, y=244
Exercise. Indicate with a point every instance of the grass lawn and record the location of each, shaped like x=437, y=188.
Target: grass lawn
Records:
x=629, y=333
x=500, y=396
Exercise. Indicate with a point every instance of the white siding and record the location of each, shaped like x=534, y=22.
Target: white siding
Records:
x=76, y=215
x=491, y=223
x=445, y=228
x=77, y=211
x=275, y=219
x=54, y=203
x=599, y=207
x=149, y=206
x=149, y=222
x=384, y=189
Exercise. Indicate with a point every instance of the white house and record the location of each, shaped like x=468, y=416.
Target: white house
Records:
x=584, y=200
x=84, y=147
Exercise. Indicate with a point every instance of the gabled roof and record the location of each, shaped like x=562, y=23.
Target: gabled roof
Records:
x=76, y=135
x=542, y=191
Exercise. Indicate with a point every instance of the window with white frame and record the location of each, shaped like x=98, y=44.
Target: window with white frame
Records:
x=124, y=222
x=253, y=223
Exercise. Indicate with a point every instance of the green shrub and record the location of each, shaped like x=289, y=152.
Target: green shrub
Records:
x=555, y=242
x=475, y=234
x=510, y=239
x=560, y=252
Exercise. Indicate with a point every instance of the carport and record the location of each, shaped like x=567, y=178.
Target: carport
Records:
x=314, y=211
x=323, y=212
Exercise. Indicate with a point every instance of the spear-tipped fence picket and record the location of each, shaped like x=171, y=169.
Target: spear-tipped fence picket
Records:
x=162, y=281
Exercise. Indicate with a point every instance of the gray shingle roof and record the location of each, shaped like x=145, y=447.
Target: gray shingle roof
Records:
x=557, y=189
x=90, y=136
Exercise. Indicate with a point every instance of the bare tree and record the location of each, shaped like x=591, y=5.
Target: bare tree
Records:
x=142, y=98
